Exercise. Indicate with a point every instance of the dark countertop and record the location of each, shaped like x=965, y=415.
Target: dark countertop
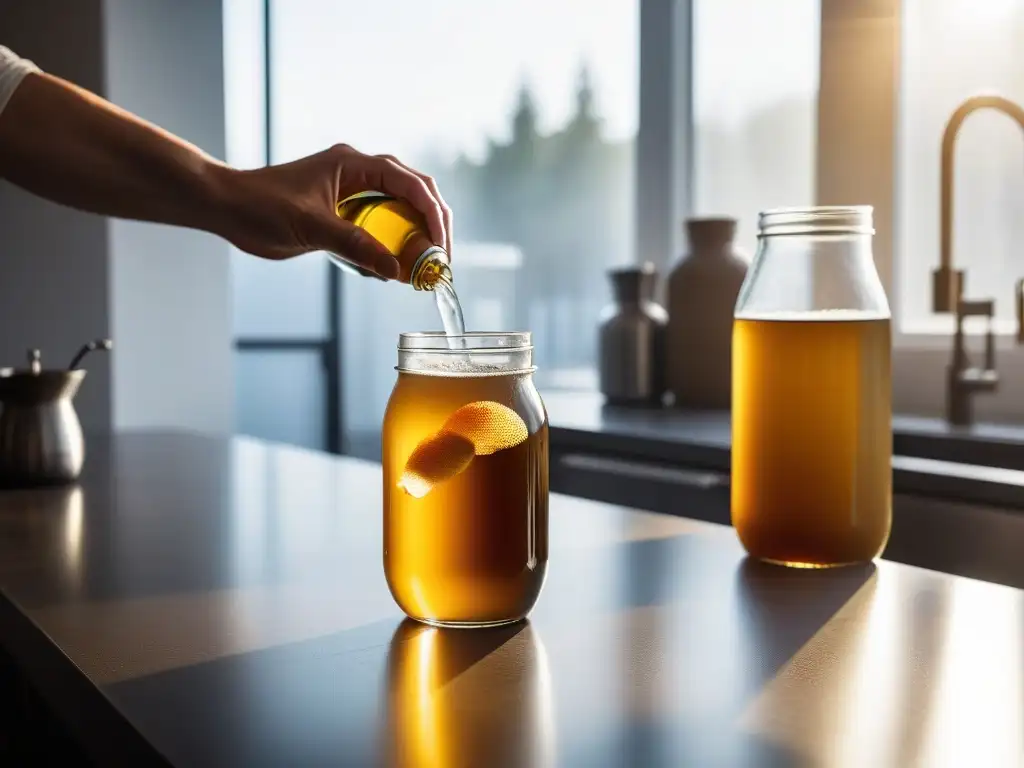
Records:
x=958, y=518
x=207, y=602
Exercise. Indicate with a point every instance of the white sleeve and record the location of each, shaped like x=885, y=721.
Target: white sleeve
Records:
x=12, y=71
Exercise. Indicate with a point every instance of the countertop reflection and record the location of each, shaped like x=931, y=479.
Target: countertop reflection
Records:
x=458, y=697
x=205, y=602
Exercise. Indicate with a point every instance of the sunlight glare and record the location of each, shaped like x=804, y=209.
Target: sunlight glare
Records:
x=983, y=13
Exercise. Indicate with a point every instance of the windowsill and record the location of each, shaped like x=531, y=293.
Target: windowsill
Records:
x=913, y=340
x=983, y=463
x=943, y=326
x=586, y=410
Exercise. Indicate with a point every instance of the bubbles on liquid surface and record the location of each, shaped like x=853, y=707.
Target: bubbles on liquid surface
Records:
x=431, y=364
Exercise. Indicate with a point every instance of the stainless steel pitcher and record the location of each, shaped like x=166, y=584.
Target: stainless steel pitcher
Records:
x=40, y=435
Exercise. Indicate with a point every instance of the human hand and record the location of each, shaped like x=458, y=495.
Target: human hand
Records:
x=286, y=210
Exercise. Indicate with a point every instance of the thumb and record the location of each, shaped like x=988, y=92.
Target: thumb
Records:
x=357, y=247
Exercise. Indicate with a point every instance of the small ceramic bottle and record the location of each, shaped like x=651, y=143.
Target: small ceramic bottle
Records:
x=632, y=340
x=702, y=293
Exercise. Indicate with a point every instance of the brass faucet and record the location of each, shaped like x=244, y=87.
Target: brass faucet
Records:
x=964, y=380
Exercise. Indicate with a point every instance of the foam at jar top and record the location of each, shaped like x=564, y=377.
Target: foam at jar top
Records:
x=428, y=364
x=814, y=315
x=479, y=354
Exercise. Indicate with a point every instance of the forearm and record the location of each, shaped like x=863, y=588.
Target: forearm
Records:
x=70, y=146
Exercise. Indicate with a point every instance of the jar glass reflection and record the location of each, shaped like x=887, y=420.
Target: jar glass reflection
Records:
x=468, y=698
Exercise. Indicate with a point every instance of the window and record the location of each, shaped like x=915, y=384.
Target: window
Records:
x=891, y=73
x=525, y=113
x=536, y=131
x=755, y=72
x=952, y=50
x=907, y=65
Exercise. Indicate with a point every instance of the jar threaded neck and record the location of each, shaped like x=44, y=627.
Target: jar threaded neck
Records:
x=817, y=220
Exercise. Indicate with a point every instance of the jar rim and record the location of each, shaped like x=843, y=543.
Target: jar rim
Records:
x=817, y=220
x=473, y=355
x=474, y=342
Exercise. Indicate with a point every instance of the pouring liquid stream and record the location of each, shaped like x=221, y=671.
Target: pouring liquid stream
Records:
x=450, y=309
x=422, y=264
x=448, y=306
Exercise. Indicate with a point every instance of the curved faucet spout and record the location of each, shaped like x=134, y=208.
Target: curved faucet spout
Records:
x=947, y=283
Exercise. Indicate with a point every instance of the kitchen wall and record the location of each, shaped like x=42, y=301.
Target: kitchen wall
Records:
x=162, y=294
x=53, y=261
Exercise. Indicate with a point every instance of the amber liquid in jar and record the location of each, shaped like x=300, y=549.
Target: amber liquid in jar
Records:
x=465, y=497
x=812, y=437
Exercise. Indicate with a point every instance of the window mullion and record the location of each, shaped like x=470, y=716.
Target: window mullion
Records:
x=857, y=116
x=664, y=145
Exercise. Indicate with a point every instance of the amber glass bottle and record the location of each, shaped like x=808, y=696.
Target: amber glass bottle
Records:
x=403, y=232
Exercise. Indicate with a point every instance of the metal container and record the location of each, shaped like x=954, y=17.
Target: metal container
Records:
x=40, y=435
x=632, y=340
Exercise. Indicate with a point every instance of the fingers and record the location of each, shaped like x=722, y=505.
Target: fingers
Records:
x=355, y=246
x=395, y=179
x=446, y=212
x=387, y=174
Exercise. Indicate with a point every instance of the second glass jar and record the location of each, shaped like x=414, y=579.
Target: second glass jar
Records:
x=811, y=402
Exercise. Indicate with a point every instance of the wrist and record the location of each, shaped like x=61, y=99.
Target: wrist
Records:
x=220, y=198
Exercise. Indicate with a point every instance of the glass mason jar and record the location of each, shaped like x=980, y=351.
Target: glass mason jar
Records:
x=465, y=454
x=811, y=403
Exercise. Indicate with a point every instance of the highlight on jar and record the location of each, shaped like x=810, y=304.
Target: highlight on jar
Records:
x=476, y=429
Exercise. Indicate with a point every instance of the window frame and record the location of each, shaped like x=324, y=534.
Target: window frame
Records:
x=664, y=190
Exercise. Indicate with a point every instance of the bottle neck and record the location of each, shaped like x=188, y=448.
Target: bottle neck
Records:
x=812, y=273
x=430, y=267
x=710, y=236
x=632, y=287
